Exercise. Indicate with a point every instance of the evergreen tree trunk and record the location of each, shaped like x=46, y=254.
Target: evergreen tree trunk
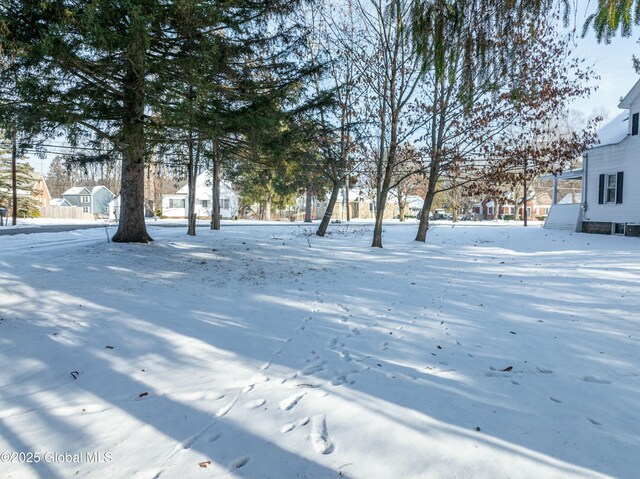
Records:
x=132, y=227
x=215, y=207
x=307, y=208
x=326, y=219
x=267, y=207
x=191, y=181
x=14, y=176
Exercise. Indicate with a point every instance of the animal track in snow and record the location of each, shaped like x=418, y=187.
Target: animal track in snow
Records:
x=320, y=436
x=289, y=403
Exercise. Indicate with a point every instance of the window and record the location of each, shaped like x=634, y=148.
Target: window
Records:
x=85, y=209
x=224, y=203
x=205, y=203
x=634, y=123
x=611, y=188
x=176, y=203
x=489, y=210
x=85, y=199
x=618, y=229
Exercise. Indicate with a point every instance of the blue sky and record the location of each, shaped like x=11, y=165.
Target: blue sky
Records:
x=613, y=63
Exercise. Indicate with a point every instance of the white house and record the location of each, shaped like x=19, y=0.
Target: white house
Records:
x=175, y=205
x=608, y=203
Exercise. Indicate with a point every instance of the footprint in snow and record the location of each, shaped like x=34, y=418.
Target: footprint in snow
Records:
x=314, y=368
x=554, y=399
x=344, y=355
x=289, y=403
x=594, y=422
x=544, y=371
x=294, y=425
x=255, y=404
x=320, y=436
x=595, y=380
x=238, y=462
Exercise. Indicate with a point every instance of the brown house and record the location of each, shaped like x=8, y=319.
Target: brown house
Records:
x=537, y=208
x=41, y=191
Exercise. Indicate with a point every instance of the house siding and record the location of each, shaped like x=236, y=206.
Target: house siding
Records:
x=100, y=201
x=611, y=159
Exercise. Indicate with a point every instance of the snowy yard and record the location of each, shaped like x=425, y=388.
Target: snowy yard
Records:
x=490, y=352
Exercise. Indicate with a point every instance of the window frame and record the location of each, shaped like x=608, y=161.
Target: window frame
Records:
x=609, y=189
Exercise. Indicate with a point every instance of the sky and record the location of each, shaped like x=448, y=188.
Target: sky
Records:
x=611, y=62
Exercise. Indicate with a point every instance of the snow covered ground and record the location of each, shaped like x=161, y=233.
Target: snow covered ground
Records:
x=264, y=351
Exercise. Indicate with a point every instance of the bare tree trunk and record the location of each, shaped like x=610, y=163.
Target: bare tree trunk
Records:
x=307, y=207
x=401, y=204
x=454, y=204
x=524, y=203
x=423, y=226
x=14, y=176
x=346, y=197
x=326, y=219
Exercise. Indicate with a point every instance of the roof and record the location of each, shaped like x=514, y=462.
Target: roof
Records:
x=565, y=175
x=101, y=187
x=76, y=190
x=615, y=131
x=628, y=99
x=59, y=202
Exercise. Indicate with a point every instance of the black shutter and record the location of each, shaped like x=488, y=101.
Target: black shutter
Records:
x=634, y=123
x=601, y=191
x=619, y=187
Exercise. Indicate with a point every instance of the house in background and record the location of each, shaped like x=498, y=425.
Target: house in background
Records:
x=94, y=201
x=60, y=202
x=609, y=202
x=174, y=205
x=537, y=208
x=41, y=191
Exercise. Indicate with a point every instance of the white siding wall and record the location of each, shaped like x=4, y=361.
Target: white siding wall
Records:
x=625, y=156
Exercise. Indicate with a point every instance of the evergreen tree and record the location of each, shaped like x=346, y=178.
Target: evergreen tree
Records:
x=25, y=185
x=103, y=68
